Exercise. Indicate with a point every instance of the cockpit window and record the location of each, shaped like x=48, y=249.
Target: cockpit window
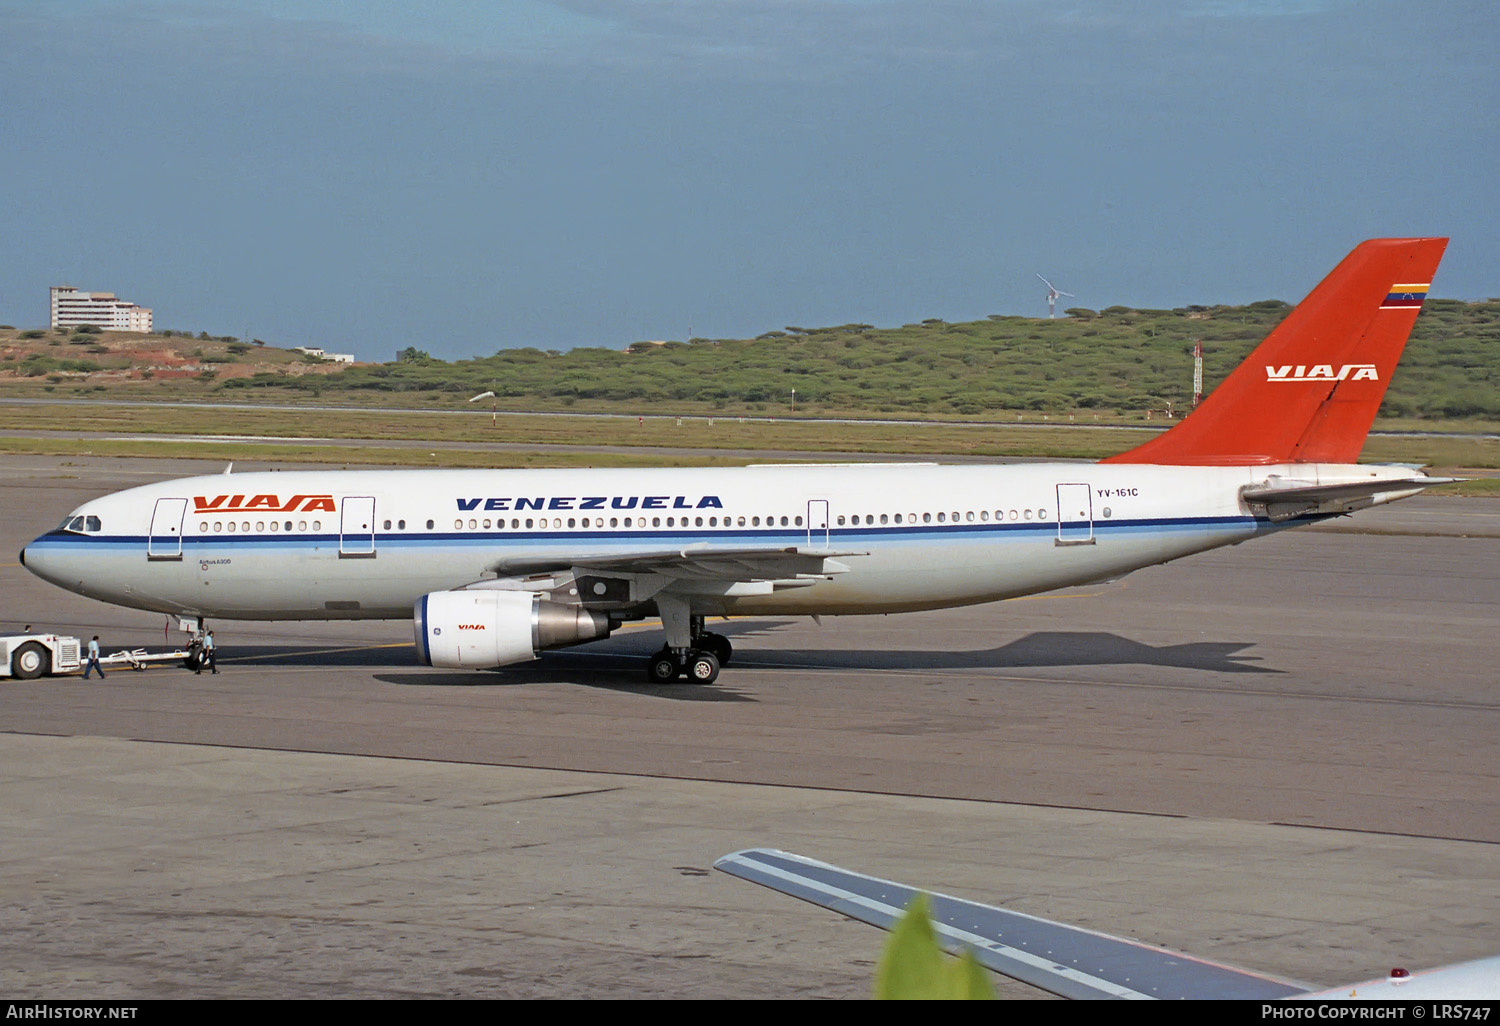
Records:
x=89, y=524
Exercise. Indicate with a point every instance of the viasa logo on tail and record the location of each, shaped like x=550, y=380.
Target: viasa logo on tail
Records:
x=267, y=503
x=1323, y=372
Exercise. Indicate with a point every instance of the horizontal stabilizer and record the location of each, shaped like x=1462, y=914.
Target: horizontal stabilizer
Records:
x=1065, y=960
x=1284, y=499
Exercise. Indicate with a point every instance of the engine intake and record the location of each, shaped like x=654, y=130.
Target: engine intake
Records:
x=485, y=629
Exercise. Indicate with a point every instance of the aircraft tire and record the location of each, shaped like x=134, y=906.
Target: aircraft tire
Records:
x=663, y=668
x=721, y=648
x=703, y=668
x=31, y=661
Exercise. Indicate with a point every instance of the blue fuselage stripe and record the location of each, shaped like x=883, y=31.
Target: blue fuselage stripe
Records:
x=612, y=537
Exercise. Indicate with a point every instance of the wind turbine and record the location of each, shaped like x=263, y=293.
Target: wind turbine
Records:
x=1052, y=293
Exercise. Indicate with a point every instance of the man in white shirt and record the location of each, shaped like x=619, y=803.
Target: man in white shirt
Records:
x=208, y=657
x=93, y=662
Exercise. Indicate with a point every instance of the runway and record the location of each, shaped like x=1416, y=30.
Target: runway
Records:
x=1280, y=755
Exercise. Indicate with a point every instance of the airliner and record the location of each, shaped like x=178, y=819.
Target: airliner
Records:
x=496, y=566
x=1073, y=962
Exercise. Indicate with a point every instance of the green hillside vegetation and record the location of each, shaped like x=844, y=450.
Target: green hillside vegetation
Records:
x=1120, y=361
x=1120, y=364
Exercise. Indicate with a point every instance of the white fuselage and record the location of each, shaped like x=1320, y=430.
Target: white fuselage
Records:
x=368, y=544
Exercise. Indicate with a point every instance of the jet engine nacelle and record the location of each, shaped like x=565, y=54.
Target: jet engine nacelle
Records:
x=484, y=629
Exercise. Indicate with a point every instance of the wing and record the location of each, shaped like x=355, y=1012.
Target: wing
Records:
x=1066, y=960
x=691, y=563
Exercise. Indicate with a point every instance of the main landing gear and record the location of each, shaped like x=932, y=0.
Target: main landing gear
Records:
x=699, y=663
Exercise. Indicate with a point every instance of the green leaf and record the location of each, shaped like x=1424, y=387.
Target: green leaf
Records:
x=914, y=968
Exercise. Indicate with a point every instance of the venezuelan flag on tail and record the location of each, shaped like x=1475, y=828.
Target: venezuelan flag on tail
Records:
x=1310, y=391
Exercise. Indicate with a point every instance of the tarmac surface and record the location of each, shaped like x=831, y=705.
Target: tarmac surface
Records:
x=1280, y=755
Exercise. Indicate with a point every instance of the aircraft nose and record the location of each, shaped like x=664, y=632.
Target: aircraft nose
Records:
x=36, y=558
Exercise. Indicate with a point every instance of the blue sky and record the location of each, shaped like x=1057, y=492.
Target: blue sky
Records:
x=466, y=176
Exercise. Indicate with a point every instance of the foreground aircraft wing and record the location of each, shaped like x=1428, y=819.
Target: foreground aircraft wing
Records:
x=1066, y=960
x=693, y=563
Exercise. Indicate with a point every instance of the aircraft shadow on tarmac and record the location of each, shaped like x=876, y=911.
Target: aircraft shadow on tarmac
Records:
x=1039, y=650
x=602, y=676
x=596, y=666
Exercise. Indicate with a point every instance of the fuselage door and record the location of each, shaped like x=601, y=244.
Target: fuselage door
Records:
x=1075, y=514
x=165, y=539
x=357, y=526
x=817, y=522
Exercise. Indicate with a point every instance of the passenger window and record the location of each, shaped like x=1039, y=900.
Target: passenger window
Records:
x=882, y=518
x=203, y=527
x=941, y=518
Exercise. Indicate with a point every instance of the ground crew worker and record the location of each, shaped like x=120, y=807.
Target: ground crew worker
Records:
x=207, y=658
x=93, y=663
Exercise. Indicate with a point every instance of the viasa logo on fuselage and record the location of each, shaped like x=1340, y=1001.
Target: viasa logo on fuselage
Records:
x=266, y=503
x=512, y=504
x=1323, y=372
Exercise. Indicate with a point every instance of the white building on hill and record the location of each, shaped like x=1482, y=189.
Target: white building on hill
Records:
x=321, y=355
x=72, y=308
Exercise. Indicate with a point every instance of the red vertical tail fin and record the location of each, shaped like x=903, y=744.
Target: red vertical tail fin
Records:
x=1310, y=391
